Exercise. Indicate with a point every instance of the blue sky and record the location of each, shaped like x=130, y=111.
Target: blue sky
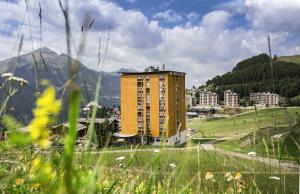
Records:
x=203, y=38
x=181, y=7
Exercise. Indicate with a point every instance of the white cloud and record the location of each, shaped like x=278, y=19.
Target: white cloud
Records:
x=269, y=15
x=168, y=16
x=203, y=50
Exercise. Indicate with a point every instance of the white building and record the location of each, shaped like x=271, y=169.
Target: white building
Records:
x=231, y=99
x=265, y=98
x=207, y=98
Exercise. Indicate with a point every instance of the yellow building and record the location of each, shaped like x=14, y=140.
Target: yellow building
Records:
x=152, y=103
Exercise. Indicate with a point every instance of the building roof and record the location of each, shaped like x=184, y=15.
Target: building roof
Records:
x=191, y=113
x=79, y=126
x=153, y=72
x=120, y=135
x=87, y=120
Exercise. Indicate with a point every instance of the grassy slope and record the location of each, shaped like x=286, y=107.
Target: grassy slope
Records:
x=189, y=164
x=240, y=125
x=280, y=149
x=294, y=59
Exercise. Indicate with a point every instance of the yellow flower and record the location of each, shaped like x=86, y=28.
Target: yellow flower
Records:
x=46, y=105
x=209, y=176
x=19, y=182
x=36, y=186
x=36, y=163
x=237, y=176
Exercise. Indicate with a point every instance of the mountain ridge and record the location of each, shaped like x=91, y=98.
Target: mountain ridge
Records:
x=55, y=69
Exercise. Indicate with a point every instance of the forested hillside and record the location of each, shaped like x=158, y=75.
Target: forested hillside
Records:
x=254, y=75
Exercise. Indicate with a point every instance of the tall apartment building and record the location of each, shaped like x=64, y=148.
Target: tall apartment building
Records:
x=153, y=103
x=265, y=98
x=231, y=99
x=207, y=98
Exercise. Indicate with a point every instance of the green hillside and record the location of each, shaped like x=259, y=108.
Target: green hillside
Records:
x=254, y=75
x=293, y=59
x=240, y=125
x=266, y=123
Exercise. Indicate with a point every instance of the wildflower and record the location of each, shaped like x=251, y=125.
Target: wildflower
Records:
x=209, y=176
x=6, y=75
x=252, y=154
x=274, y=178
x=228, y=176
x=46, y=104
x=20, y=80
x=237, y=176
x=86, y=109
x=172, y=165
x=105, y=184
x=48, y=171
x=92, y=104
x=141, y=188
x=36, y=163
x=19, y=182
x=120, y=158
x=36, y=186
x=277, y=136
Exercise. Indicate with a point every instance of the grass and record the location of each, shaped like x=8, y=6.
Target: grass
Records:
x=25, y=167
x=147, y=169
x=240, y=125
x=294, y=59
x=283, y=148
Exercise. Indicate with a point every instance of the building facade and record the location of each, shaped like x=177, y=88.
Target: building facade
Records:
x=231, y=99
x=153, y=103
x=265, y=98
x=207, y=98
x=190, y=100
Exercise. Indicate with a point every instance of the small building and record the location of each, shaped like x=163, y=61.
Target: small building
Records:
x=190, y=100
x=231, y=99
x=207, y=98
x=265, y=98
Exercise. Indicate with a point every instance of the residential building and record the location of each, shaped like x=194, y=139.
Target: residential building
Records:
x=190, y=100
x=265, y=98
x=231, y=99
x=207, y=98
x=152, y=103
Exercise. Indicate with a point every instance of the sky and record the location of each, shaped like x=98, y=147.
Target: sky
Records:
x=203, y=38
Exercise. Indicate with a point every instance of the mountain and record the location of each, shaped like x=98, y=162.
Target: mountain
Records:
x=55, y=69
x=254, y=75
x=125, y=70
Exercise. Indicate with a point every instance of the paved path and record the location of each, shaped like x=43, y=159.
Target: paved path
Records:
x=286, y=165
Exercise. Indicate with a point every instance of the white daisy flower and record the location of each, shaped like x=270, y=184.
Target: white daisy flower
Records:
x=6, y=75
x=120, y=158
x=252, y=154
x=274, y=178
x=172, y=165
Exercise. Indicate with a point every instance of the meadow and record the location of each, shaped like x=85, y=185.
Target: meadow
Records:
x=153, y=171
x=28, y=163
x=242, y=124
